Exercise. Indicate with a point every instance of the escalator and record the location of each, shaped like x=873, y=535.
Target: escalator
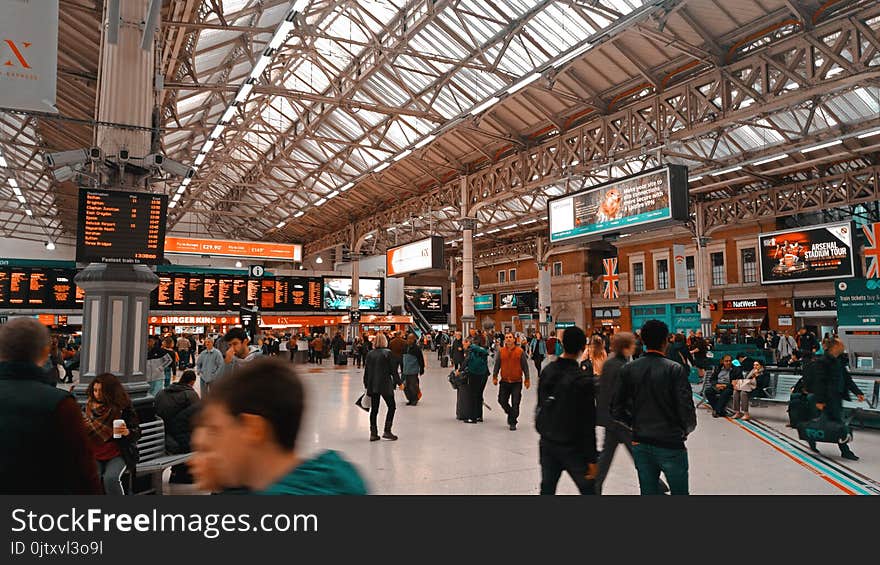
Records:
x=419, y=321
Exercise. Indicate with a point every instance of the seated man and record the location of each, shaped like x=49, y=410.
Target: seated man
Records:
x=720, y=386
x=177, y=405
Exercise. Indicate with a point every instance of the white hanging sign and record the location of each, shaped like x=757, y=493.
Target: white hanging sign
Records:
x=28, y=54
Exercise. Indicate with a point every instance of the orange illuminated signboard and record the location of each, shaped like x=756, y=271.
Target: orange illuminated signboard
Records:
x=226, y=248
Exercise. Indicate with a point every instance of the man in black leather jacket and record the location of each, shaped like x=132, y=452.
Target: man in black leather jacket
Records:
x=654, y=400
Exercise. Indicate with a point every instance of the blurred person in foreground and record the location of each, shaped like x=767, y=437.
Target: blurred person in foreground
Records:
x=177, y=405
x=654, y=402
x=44, y=448
x=246, y=437
x=566, y=418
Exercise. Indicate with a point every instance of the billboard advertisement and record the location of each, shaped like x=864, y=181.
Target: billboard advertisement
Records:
x=337, y=294
x=858, y=302
x=226, y=248
x=657, y=197
x=521, y=301
x=812, y=253
x=29, y=55
x=484, y=302
x=422, y=255
x=427, y=299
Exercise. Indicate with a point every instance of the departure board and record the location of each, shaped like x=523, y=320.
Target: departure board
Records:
x=239, y=291
x=225, y=292
x=39, y=288
x=163, y=293
x=194, y=291
x=209, y=292
x=252, y=298
x=305, y=293
x=120, y=227
x=267, y=294
x=178, y=290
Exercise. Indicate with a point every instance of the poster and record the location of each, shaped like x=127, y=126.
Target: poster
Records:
x=621, y=206
x=678, y=261
x=812, y=253
x=858, y=302
x=29, y=55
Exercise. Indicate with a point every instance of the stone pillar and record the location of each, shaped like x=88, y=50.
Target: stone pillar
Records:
x=468, y=319
x=354, y=327
x=453, y=299
x=704, y=274
x=115, y=324
x=544, y=300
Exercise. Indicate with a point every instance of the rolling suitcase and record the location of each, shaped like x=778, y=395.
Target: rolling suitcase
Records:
x=444, y=361
x=343, y=358
x=463, y=402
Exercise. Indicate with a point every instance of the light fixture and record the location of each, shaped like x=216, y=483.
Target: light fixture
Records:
x=382, y=167
x=21, y=198
x=771, y=159
x=244, y=92
x=280, y=225
x=319, y=260
x=13, y=183
x=822, y=146
x=172, y=204
x=320, y=201
x=484, y=106
x=207, y=146
x=572, y=54
x=228, y=114
x=3, y=163
x=29, y=212
x=333, y=194
x=517, y=86
x=346, y=187
x=402, y=155
x=200, y=158
x=298, y=214
x=862, y=136
x=695, y=179
x=425, y=141
x=218, y=131
x=725, y=171
x=260, y=66
x=50, y=245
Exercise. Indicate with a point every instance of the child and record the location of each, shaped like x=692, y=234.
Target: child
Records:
x=741, y=390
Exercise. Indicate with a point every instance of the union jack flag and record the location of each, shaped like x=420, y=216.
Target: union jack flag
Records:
x=872, y=250
x=610, y=280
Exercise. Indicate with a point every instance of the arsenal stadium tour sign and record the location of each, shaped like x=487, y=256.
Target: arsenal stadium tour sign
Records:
x=812, y=253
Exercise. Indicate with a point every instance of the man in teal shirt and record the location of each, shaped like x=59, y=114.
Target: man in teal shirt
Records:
x=246, y=437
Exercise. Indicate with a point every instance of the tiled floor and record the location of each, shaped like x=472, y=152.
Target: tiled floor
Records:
x=436, y=454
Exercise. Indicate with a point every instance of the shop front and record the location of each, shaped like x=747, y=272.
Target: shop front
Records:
x=741, y=317
x=681, y=318
x=816, y=313
x=606, y=318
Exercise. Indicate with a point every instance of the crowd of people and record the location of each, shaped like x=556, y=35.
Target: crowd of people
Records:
x=242, y=422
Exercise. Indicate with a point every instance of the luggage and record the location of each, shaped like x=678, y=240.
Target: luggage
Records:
x=463, y=402
x=444, y=361
x=342, y=358
x=824, y=430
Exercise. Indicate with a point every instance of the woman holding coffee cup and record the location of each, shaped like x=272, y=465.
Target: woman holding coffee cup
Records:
x=112, y=426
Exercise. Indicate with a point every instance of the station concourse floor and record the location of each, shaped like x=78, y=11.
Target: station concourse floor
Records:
x=437, y=454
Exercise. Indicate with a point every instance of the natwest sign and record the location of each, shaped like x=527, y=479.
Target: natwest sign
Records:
x=191, y=320
x=745, y=305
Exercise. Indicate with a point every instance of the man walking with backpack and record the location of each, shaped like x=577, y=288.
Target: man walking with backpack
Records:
x=413, y=366
x=654, y=401
x=566, y=418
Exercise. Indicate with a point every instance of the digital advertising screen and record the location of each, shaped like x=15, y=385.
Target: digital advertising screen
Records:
x=507, y=301
x=422, y=255
x=484, y=302
x=654, y=198
x=337, y=294
x=812, y=253
x=120, y=227
x=427, y=299
x=228, y=248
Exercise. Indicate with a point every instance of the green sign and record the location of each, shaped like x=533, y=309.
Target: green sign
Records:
x=563, y=325
x=858, y=302
x=37, y=263
x=484, y=302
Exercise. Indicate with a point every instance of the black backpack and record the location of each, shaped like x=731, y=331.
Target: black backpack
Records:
x=556, y=415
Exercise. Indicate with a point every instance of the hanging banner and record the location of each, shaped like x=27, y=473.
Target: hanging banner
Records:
x=29, y=55
x=610, y=279
x=872, y=250
x=681, y=284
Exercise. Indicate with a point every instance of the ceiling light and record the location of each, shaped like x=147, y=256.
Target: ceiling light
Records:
x=725, y=171
x=244, y=92
x=261, y=65
x=532, y=221
x=21, y=198
x=862, y=136
x=176, y=197
x=186, y=181
x=228, y=114
x=402, y=155
x=13, y=183
x=238, y=265
x=572, y=54
x=218, y=131
x=346, y=187
x=17, y=191
x=200, y=158
x=319, y=260
x=320, y=201
x=822, y=146
x=50, y=245
x=382, y=167
x=280, y=35
x=484, y=106
x=298, y=6
x=496, y=230
x=425, y=141
x=771, y=159
x=280, y=225
x=333, y=194
x=517, y=86
x=208, y=145
x=29, y=212
x=298, y=214
x=695, y=179
x=172, y=204
x=181, y=190
x=3, y=163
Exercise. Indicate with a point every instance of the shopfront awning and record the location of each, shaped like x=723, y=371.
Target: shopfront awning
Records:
x=744, y=321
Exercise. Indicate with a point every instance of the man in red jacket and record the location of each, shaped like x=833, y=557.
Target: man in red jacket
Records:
x=512, y=362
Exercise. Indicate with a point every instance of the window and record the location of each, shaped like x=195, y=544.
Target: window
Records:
x=638, y=277
x=557, y=269
x=718, y=275
x=749, y=265
x=662, y=274
x=512, y=276
x=691, y=271
x=502, y=276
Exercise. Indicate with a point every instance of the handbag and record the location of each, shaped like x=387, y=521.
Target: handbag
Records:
x=825, y=430
x=364, y=402
x=458, y=378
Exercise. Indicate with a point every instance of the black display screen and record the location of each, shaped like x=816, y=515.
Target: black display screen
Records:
x=39, y=288
x=209, y=292
x=120, y=227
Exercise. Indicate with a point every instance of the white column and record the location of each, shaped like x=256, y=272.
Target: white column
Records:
x=355, y=292
x=703, y=274
x=453, y=299
x=467, y=276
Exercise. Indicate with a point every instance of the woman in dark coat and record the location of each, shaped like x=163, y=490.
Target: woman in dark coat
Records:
x=380, y=378
x=108, y=401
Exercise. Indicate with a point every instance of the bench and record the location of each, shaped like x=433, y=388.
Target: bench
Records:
x=153, y=460
x=780, y=387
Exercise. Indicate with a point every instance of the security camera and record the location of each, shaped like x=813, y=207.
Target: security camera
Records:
x=96, y=154
x=177, y=168
x=123, y=156
x=154, y=160
x=65, y=173
x=74, y=157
